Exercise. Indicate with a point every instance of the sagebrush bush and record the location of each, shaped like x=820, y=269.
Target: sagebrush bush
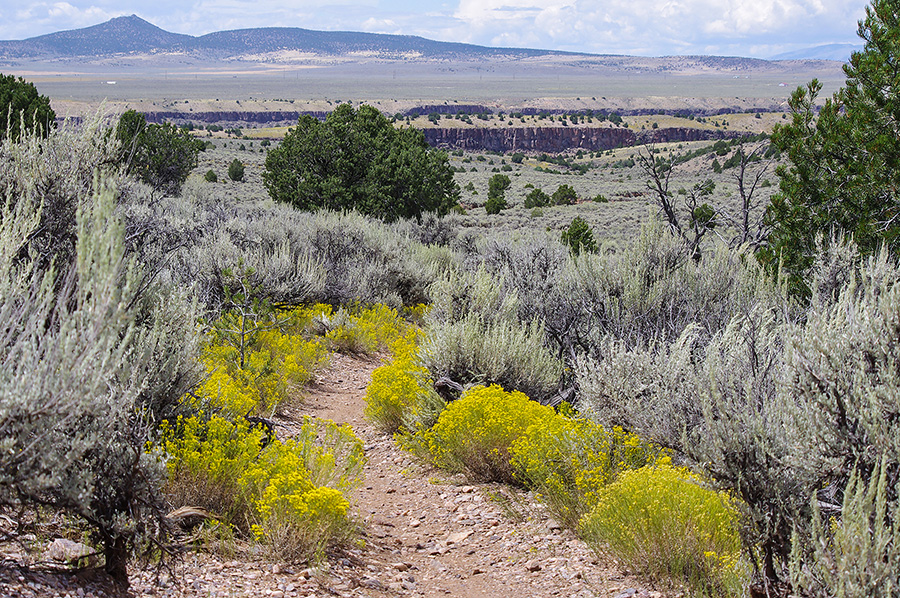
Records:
x=650, y=291
x=509, y=354
x=81, y=346
x=568, y=459
x=56, y=172
x=659, y=521
x=840, y=370
x=473, y=336
x=296, y=257
x=841, y=367
x=774, y=407
x=857, y=555
x=719, y=407
x=475, y=434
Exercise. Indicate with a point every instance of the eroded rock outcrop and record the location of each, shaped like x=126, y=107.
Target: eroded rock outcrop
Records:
x=231, y=117
x=560, y=139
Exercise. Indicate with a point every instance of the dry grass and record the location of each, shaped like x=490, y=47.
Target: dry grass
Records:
x=630, y=203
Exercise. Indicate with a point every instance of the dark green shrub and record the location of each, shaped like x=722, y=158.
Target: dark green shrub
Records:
x=210, y=176
x=21, y=107
x=537, y=199
x=160, y=155
x=498, y=184
x=495, y=204
x=564, y=196
x=357, y=160
x=579, y=236
x=236, y=170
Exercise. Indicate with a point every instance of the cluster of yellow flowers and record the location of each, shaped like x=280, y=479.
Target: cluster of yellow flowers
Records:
x=365, y=330
x=568, y=459
x=475, y=434
x=397, y=387
x=252, y=367
x=665, y=523
x=290, y=494
x=265, y=485
x=618, y=490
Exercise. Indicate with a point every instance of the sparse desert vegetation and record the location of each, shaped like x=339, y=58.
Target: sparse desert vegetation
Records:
x=687, y=350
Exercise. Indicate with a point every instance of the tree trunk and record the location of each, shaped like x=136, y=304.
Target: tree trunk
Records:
x=116, y=553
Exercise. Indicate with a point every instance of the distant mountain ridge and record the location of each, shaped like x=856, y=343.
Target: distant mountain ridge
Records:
x=134, y=35
x=839, y=52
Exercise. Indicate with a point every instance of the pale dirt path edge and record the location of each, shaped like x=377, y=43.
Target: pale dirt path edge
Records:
x=424, y=533
x=431, y=534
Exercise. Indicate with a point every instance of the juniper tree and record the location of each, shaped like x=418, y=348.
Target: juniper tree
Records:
x=843, y=170
x=22, y=108
x=357, y=160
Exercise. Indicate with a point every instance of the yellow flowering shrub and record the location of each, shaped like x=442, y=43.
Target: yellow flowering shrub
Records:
x=329, y=455
x=475, y=433
x=299, y=526
x=660, y=521
x=416, y=313
x=366, y=330
x=297, y=489
x=276, y=360
x=397, y=388
x=290, y=494
x=568, y=459
x=205, y=460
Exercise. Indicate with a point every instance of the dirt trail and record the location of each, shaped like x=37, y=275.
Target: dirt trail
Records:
x=425, y=534
x=429, y=534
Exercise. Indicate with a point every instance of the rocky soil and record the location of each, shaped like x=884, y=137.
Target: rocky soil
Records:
x=424, y=534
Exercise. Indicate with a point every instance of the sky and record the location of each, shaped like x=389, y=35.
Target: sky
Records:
x=754, y=28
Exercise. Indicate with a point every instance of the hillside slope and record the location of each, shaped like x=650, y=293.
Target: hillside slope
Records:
x=132, y=34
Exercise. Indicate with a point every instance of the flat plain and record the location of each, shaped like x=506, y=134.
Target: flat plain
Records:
x=752, y=95
x=568, y=83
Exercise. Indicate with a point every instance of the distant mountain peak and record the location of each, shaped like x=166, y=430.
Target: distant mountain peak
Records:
x=119, y=35
x=130, y=35
x=133, y=35
x=840, y=52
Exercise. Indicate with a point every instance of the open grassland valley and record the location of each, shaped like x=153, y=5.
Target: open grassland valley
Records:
x=339, y=360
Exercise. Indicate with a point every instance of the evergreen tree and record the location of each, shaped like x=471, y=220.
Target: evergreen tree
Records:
x=843, y=173
x=22, y=107
x=160, y=155
x=357, y=160
x=564, y=196
x=236, y=170
x=579, y=237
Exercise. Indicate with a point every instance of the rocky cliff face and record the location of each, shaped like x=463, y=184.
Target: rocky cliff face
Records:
x=231, y=118
x=679, y=134
x=449, y=109
x=527, y=139
x=560, y=139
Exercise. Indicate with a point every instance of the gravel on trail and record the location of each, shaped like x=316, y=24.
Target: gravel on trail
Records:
x=425, y=533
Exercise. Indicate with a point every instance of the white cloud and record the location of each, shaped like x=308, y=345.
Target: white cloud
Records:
x=650, y=26
x=45, y=17
x=374, y=25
